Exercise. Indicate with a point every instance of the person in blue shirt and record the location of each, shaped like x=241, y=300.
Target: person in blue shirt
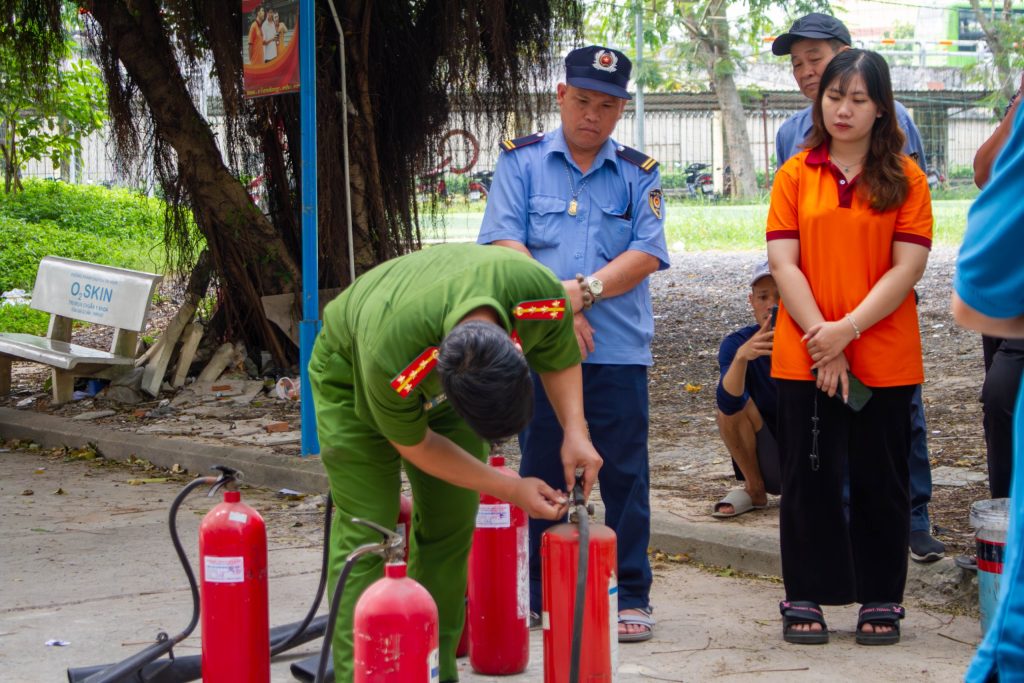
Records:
x=747, y=401
x=989, y=297
x=593, y=212
x=811, y=43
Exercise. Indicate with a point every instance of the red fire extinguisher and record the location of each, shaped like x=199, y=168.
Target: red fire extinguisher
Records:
x=233, y=593
x=499, y=592
x=560, y=574
x=396, y=631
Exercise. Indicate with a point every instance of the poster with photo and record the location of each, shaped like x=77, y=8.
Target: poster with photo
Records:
x=270, y=47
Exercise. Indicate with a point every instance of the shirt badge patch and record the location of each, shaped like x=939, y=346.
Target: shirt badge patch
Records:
x=405, y=381
x=544, y=309
x=654, y=200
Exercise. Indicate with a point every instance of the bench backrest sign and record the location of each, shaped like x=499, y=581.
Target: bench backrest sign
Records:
x=94, y=293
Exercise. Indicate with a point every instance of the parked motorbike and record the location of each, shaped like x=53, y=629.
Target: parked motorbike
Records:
x=936, y=178
x=699, y=183
x=479, y=185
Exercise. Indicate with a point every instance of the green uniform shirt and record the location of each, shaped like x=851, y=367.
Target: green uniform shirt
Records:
x=389, y=316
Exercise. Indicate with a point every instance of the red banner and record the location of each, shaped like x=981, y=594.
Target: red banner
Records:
x=270, y=47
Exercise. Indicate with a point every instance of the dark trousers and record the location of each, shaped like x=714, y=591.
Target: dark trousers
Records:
x=824, y=558
x=616, y=407
x=1004, y=364
x=920, y=466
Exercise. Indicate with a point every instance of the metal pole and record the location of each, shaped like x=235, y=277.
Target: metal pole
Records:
x=344, y=145
x=310, y=324
x=639, y=109
x=764, y=122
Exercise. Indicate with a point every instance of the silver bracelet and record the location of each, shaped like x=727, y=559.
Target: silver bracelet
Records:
x=856, y=328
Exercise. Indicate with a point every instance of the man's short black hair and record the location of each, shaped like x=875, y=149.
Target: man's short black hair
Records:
x=486, y=379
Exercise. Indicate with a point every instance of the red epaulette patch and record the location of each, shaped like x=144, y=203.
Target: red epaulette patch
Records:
x=545, y=309
x=414, y=373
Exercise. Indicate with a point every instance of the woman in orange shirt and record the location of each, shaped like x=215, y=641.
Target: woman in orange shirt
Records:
x=849, y=231
x=256, y=37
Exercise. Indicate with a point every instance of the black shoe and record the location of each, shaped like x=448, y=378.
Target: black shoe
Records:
x=924, y=548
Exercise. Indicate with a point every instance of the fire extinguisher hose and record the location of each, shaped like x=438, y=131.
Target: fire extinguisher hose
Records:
x=581, y=579
x=164, y=643
x=390, y=548
x=288, y=641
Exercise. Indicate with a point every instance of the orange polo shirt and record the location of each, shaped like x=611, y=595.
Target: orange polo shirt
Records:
x=845, y=248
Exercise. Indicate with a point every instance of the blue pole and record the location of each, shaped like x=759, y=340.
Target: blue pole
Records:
x=309, y=326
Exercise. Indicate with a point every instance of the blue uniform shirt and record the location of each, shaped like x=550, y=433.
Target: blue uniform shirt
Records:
x=619, y=208
x=758, y=384
x=797, y=127
x=989, y=278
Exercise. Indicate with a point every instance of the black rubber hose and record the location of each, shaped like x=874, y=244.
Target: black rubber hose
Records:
x=332, y=616
x=287, y=642
x=581, y=582
x=163, y=644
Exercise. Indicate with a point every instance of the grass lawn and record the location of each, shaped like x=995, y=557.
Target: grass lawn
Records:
x=696, y=227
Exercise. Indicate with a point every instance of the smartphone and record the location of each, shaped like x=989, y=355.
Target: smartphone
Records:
x=859, y=392
x=775, y=315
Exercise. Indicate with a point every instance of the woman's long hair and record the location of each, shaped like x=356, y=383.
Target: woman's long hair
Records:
x=883, y=181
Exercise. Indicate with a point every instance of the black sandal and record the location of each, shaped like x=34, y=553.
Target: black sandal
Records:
x=802, y=612
x=880, y=614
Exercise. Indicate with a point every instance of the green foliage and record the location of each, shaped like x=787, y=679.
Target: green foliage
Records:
x=112, y=227
x=90, y=209
x=22, y=318
x=46, y=109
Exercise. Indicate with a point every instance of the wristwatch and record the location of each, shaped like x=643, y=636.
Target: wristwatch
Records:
x=596, y=287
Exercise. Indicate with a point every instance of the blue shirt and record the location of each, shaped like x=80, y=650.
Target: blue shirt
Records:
x=796, y=128
x=990, y=279
x=758, y=384
x=619, y=208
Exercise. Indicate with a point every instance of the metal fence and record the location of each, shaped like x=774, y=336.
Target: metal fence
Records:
x=678, y=129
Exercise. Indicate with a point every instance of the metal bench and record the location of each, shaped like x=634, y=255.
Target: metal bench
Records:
x=75, y=290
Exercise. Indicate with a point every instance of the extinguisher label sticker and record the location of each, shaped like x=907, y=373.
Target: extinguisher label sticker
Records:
x=434, y=665
x=239, y=517
x=224, y=569
x=494, y=516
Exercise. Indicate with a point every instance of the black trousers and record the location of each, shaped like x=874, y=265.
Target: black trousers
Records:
x=1004, y=363
x=824, y=559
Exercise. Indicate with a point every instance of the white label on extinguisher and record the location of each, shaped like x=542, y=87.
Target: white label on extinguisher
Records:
x=494, y=516
x=434, y=665
x=224, y=569
x=523, y=572
x=613, y=621
x=239, y=517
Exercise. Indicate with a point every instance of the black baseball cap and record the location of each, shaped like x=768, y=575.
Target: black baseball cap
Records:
x=599, y=68
x=814, y=25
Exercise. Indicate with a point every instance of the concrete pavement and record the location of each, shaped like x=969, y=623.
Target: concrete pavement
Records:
x=748, y=543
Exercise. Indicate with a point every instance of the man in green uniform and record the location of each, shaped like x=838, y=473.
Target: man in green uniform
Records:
x=480, y=314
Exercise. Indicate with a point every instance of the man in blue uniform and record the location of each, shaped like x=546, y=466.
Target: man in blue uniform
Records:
x=592, y=211
x=989, y=297
x=811, y=43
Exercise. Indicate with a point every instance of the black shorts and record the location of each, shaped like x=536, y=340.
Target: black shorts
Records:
x=767, y=460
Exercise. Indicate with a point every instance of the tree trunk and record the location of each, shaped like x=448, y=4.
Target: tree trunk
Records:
x=714, y=47
x=246, y=249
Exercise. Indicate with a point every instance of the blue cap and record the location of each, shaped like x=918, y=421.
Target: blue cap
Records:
x=599, y=68
x=761, y=270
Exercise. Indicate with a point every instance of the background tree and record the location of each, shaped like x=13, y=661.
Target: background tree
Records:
x=46, y=111
x=694, y=45
x=409, y=65
x=1004, y=34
